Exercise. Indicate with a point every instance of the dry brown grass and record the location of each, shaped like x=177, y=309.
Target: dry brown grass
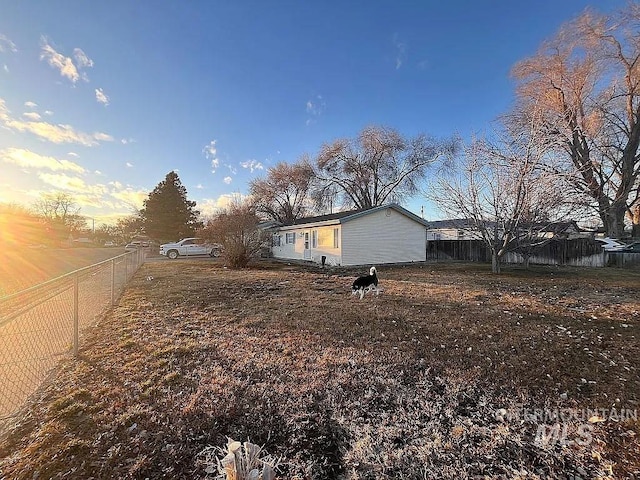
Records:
x=404, y=385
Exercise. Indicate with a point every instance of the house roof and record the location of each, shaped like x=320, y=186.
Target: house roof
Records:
x=467, y=224
x=451, y=223
x=325, y=218
x=348, y=215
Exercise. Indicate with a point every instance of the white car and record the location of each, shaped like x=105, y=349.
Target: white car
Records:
x=611, y=244
x=189, y=247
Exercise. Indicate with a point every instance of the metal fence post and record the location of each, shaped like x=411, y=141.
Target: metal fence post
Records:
x=113, y=282
x=76, y=316
x=126, y=267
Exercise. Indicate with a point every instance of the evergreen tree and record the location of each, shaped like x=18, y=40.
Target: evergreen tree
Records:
x=167, y=215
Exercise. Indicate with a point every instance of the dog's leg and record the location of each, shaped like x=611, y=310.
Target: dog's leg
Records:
x=361, y=293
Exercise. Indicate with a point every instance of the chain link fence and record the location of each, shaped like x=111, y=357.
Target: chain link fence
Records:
x=43, y=323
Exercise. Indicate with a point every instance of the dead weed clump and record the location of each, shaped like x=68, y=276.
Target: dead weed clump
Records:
x=240, y=461
x=444, y=375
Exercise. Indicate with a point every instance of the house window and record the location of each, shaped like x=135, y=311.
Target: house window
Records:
x=276, y=240
x=314, y=239
x=290, y=238
x=326, y=237
x=460, y=233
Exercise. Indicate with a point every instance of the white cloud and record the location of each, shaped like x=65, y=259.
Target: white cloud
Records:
x=58, y=61
x=59, y=133
x=129, y=196
x=4, y=111
x=73, y=154
x=211, y=153
x=129, y=165
x=34, y=116
x=81, y=58
x=228, y=180
x=5, y=67
x=199, y=186
x=48, y=113
x=315, y=107
x=212, y=206
x=30, y=104
x=70, y=183
x=7, y=45
x=101, y=97
x=63, y=64
x=127, y=141
x=29, y=159
x=252, y=165
x=103, y=137
x=401, y=51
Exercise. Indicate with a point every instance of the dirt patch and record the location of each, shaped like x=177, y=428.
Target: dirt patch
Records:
x=450, y=373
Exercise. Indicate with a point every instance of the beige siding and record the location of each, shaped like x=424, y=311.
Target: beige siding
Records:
x=294, y=250
x=452, y=234
x=297, y=251
x=385, y=236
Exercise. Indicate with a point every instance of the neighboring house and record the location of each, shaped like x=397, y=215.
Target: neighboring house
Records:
x=568, y=230
x=454, y=229
x=385, y=234
x=463, y=229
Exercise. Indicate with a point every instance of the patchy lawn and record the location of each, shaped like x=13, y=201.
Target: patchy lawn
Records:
x=450, y=373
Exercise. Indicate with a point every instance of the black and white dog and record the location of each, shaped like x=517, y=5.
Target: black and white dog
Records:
x=366, y=283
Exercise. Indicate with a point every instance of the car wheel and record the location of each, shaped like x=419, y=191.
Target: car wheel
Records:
x=214, y=253
x=172, y=254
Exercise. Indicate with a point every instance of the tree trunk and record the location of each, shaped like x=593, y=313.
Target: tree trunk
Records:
x=635, y=222
x=614, y=222
x=496, y=266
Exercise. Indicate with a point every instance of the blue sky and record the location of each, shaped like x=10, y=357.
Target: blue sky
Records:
x=103, y=99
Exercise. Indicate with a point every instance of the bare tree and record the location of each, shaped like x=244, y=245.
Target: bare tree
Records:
x=127, y=228
x=61, y=214
x=506, y=192
x=284, y=195
x=377, y=167
x=237, y=230
x=586, y=81
x=56, y=206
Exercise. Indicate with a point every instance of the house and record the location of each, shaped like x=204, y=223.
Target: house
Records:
x=464, y=229
x=453, y=229
x=374, y=236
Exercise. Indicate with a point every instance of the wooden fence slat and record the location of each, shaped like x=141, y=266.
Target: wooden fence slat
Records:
x=581, y=252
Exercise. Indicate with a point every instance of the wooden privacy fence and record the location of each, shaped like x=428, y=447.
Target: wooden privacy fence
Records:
x=580, y=252
x=466, y=250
